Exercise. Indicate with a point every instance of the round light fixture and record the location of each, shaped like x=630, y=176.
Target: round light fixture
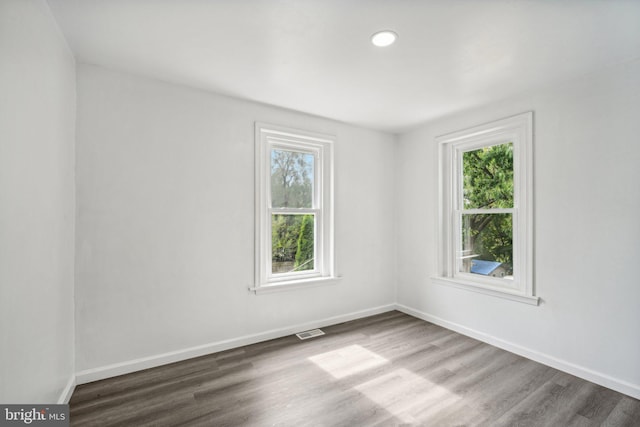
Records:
x=384, y=38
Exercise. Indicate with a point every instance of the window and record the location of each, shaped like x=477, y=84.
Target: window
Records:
x=485, y=237
x=294, y=215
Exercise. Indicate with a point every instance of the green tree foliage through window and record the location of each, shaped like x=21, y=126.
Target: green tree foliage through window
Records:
x=487, y=183
x=488, y=177
x=304, y=253
x=292, y=243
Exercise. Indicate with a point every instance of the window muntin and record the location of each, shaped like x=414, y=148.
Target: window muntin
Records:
x=294, y=231
x=485, y=233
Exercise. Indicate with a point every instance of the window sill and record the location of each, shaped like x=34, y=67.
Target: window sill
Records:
x=295, y=284
x=506, y=294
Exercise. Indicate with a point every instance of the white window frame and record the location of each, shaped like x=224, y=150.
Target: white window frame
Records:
x=268, y=137
x=519, y=131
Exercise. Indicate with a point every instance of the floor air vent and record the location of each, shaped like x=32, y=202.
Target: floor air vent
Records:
x=310, y=334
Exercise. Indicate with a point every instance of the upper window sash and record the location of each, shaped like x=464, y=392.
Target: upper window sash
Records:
x=458, y=170
x=300, y=147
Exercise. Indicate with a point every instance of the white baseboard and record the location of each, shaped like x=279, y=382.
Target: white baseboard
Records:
x=604, y=380
x=129, y=366
x=65, y=396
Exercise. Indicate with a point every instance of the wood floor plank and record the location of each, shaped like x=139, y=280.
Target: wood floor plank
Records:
x=386, y=370
x=599, y=404
x=625, y=414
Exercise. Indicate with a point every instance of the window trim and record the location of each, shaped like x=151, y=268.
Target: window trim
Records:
x=269, y=136
x=519, y=130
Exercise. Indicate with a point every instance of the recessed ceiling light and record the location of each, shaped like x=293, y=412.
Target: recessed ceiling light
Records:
x=384, y=38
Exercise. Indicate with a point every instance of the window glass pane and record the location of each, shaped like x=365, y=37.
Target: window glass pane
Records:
x=487, y=177
x=292, y=243
x=487, y=245
x=291, y=179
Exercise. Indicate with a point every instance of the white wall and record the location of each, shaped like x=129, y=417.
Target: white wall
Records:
x=37, y=121
x=587, y=229
x=165, y=220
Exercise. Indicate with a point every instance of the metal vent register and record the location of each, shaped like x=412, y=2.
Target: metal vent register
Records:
x=309, y=334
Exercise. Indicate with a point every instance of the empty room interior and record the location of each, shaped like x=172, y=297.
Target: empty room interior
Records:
x=323, y=213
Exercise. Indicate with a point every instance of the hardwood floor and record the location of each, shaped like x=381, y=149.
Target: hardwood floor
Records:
x=387, y=370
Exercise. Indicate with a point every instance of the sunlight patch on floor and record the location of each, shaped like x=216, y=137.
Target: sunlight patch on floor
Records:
x=406, y=395
x=348, y=361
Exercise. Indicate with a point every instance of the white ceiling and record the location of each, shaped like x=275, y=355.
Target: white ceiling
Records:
x=315, y=55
